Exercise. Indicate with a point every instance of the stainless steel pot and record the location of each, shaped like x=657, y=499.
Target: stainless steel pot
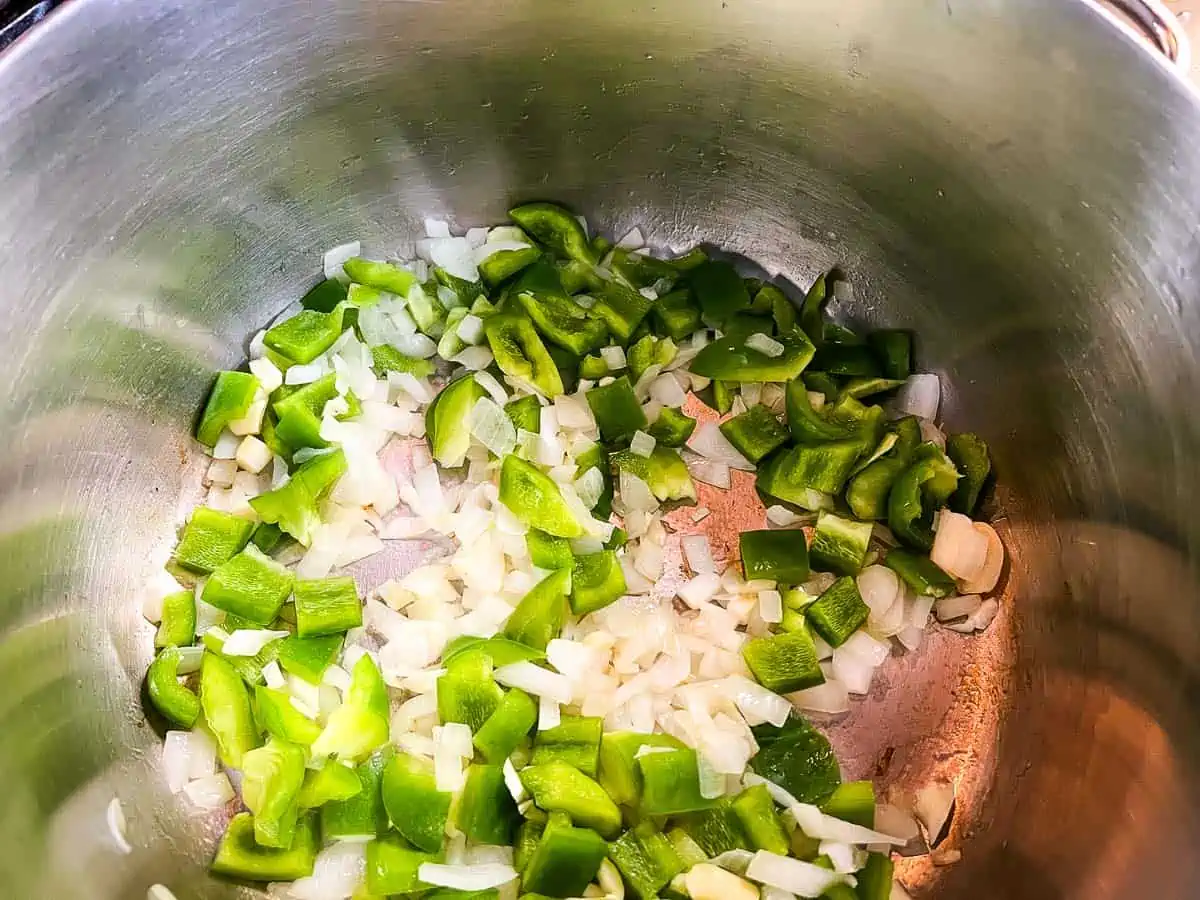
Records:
x=1016, y=180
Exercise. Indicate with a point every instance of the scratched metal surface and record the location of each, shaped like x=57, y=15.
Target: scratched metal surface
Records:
x=1012, y=179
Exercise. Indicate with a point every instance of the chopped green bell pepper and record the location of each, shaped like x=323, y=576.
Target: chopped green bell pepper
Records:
x=534, y=498
x=299, y=412
x=250, y=585
x=487, y=813
x=362, y=815
x=755, y=433
x=326, y=606
x=847, y=360
x=869, y=387
x=812, y=310
x=969, y=454
x=528, y=834
x=715, y=830
x=924, y=486
x=619, y=773
x=622, y=309
x=720, y=290
x=556, y=228
x=381, y=275
x=672, y=428
x=392, y=866
x=385, y=358
x=325, y=295
x=293, y=506
x=230, y=400
x=559, y=786
x=360, y=725
x=642, y=270
x=466, y=293
x=275, y=714
x=519, y=352
x=780, y=555
x=784, y=662
x=617, y=411
x=852, y=801
x=539, y=616
x=226, y=705
x=427, y=310
x=249, y=667
x=506, y=727
x=875, y=878
x=448, y=420
x=578, y=277
x=525, y=413
x=308, y=658
x=268, y=537
x=676, y=314
x=210, y=538
x=418, y=810
x=894, y=351
x=306, y=335
x=729, y=359
x=576, y=741
x=868, y=490
x=664, y=470
x=547, y=551
x=920, y=573
x=839, y=545
x=756, y=811
x=176, y=702
x=500, y=650
x=795, y=473
x=467, y=692
x=798, y=758
x=596, y=581
x=650, y=351
x=241, y=856
x=670, y=783
x=177, y=628
x=503, y=264
x=329, y=784
x=838, y=612
x=593, y=366
x=564, y=861
x=646, y=860
x=723, y=393
x=272, y=776
x=562, y=321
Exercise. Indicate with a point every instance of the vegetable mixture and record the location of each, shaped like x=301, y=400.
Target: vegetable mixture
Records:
x=534, y=712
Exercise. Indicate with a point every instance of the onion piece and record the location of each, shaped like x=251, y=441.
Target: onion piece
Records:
x=879, y=587
x=783, y=517
x=755, y=702
x=933, y=806
x=250, y=641
x=817, y=824
x=949, y=608
x=709, y=471
x=642, y=444
x=698, y=591
x=765, y=345
x=335, y=258
x=958, y=548
x=735, y=861
x=633, y=239
x=114, y=815
x=535, y=680
x=985, y=580
x=338, y=871
x=800, y=878
x=830, y=698
x=698, y=553
x=160, y=892
x=466, y=878
x=918, y=396
x=212, y=792
x=709, y=442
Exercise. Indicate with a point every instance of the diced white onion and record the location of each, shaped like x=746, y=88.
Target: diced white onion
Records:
x=642, y=444
x=795, y=876
x=708, y=471
x=495, y=389
x=817, y=824
x=830, y=698
x=932, y=808
x=698, y=553
x=160, y=892
x=226, y=445
x=958, y=548
x=635, y=493
x=980, y=619
x=437, y=228
x=700, y=590
x=708, y=441
x=466, y=878
x=512, y=781
x=114, y=815
x=770, y=606
x=782, y=516
x=338, y=871
x=633, y=239
x=492, y=427
x=755, y=702
x=614, y=357
x=535, y=680
x=841, y=855
x=249, y=641
x=985, y=581
x=918, y=396
x=879, y=587
x=212, y=792
x=949, y=608
x=765, y=345
x=335, y=258
x=549, y=713
x=665, y=389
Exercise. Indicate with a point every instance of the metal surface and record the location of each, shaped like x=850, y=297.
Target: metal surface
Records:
x=1159, y=26
x=1012, y=179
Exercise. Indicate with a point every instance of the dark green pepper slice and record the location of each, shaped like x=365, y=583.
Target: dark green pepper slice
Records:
x=894, y=351
x=853, y=801
x=556, y=228
x=534, y=498
x=540, y=615
x=676, y=314
x=672, y=428
x=230, y=400
x=240, y=855
x=755, y=809
x=621, y=309
x=558, y=786
x=176, y=702
x=392, y=866
x=326, y=606
x=520, y=353
x=784, y=662
x=324, y=296
x=619, y=772
x=565, y=860
x=920, y=573
x=755, y=433
x=505, y=728
x=617, y=411
x=670, y=783
x=731, y=360
x=210, y=539
x=525, y=413
x=575, y=741
x=838, y=612
x=839, y=545
x=596, y=581
x=922, y=488
x=780, y=555
x=560, y=319
x=646, y=860
x=798, y=758
x=547, y=551
x=969, y=454
x=720, y=290
x=418, y=810
x=486, y=811
x=306, y=335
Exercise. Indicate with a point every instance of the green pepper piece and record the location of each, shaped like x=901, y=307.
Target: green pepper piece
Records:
x=556, y=228
x=267, y=537
x=784, y=662
x=465, y=292
x=519, y=352
x=796, y=472
x=756, y=811
x=418, y=810
x=575, y=741
x=920, y=573
x=578, y=277
x=720, y=290
x=894, y=351
x=646, y=859
x=240, y=855
x=715, y=830
x=593, y=367
x=619, y=773
x=272, y=776
x=781, y=308
x=596, y=581
x=838, y=612
x=755, y=433
x=427, y=310
x=528, y=835
x=723, y=393
x=534, y=498
x=467, y=692
x=226, y=705
x=731, y=360
x=547, y=551
x=306, y=335
x=381, y=275
x=176, y=702
x=969, y=454
x=329, y=784
x=177, y=628
x=798, y=758
x=293, y=506
x=780, y=555
x=564, y=861
x=875, y=878
x=503, y=264
x=739, y=327
x=525, y=413
x=249, y=667
x=868, y=387
x=275, y=714
x=664, y=470
x=392, y=866
x=486, y=811
x=500, y=650
x=448, y=420
x=847, y=360
x=852, y=801
x=211, y=538
x=540, y=615
x=670, y=783
x=308, y=658
x=812, y=310
x=299, y=412
x=362, y=815
x=325, y=295
x=359, y=295
x=809, y=425
x=250, y=585
x=688, y=851
x=923, y=487
x=360, y=725
x=867, y=493
x=676, y=314
x=386, y=358
x=560, y=319
x=230, y=400
x=617, y=411
x=672, y=428
x=450, y=343
x=562, y=787
x=596, y=457
x=642, y=270
x=621, y=309
x=839, y=545
x=505, y=728
x=326, y=606
x=650, y=351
